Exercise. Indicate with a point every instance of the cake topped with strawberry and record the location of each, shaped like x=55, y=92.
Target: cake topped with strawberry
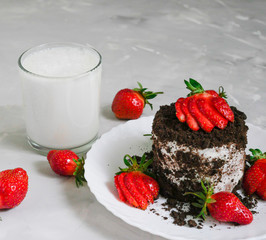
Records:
x=199, y=137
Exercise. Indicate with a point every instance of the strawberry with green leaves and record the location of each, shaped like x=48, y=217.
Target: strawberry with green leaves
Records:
x=13, y=187
x=129, y=103
x=67, y=163
x=203, y=109
x=222, y=206
x=134, y=185
x=254, y=180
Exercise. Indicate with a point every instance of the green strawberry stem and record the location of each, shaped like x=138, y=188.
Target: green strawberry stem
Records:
x=222, y=93
x=79, y=172
x=147, y=135
x=195, y=88
x=256, y=155
x=146, y=94
x=204, y=199
x=133, y=165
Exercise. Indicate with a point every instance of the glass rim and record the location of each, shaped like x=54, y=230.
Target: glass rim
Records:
x=52, y=45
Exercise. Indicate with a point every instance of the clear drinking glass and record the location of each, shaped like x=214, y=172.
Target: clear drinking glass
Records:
x=61, y=93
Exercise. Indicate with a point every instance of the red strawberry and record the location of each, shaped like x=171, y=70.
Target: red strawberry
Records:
x=67, y=163
x=203, y=121
x=50, y=154
x=222, y=106
x=191, y=121
x=213, y=93
x=130, y=184
x=13, y=187
x=261, y=190
x=255, y=177
x=145, y=185
x=228, y=208
x=258, y=157
x=129, y=103
x=133, y=185
x=126, y=193
x=203, y=109
x=262, y=164
x=180, y=115
x=152, y=185
x=209, y=110
x=252, y=179
x=120, y=192
x=223, y=206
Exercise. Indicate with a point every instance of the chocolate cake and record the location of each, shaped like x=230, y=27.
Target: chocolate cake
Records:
x=183, y=157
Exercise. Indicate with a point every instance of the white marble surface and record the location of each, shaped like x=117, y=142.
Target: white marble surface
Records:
x=156, y=42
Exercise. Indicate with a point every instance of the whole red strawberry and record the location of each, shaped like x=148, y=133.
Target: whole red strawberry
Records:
x=67, y=163
x=223, y=206
x=203, y=109
x=133, y=185
x=13, y=187
x=129, y=103
x=255, y=177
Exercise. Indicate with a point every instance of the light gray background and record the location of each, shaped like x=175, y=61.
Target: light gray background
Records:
x=157, y=42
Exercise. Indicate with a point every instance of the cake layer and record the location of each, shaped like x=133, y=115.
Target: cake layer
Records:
x=182, y=168
x=182, y=157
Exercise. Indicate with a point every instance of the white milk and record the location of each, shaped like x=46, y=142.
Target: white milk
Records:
x=61, y=89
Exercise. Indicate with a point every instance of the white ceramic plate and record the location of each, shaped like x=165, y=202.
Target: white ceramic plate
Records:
x=106, y=156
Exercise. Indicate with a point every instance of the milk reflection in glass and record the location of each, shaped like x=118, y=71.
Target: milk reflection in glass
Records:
x=61, y=90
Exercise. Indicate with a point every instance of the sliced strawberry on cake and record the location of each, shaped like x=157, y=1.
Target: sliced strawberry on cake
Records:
x=205, y=109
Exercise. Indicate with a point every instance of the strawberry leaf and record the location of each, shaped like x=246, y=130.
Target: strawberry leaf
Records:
x=79, y=172
x=143, y=159
x=146, y=94
x=256, y=155
x=127, y=163
x=203, y=213
x=140, y=86
x=210, y=200
x=198, y=205
x=133, y=165
x=203, y=187
x=194, y=86
x=204, y=199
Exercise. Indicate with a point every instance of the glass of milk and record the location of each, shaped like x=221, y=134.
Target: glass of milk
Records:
x=61, y=93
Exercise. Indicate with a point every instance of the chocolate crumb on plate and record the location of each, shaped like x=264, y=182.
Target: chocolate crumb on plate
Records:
x=185, y=214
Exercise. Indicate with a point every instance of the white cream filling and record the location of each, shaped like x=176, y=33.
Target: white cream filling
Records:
x=226, y=180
